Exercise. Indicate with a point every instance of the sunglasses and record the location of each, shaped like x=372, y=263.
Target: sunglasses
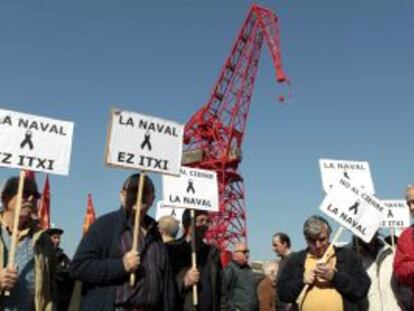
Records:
x=410, y=202
x=244, y=251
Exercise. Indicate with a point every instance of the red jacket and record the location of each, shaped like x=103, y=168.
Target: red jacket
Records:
x=404, y=259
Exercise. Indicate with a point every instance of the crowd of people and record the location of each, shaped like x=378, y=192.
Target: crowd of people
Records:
x=186, y=272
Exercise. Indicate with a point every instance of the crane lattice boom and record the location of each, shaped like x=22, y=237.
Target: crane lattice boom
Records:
x=213, y=136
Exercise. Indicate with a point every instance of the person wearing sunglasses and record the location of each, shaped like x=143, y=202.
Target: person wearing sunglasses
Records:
x=240, y=280
x=404, y=255
x=30, y=281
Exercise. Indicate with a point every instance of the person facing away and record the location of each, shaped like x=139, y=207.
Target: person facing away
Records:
x=64, y=283
x=208, y=275
x=404, y=255
x=168, y=227
x=240, y=280
x=266, y=290
x=339, y=283
x=105, y=260
x=30, y=281
x=385, y=292
x=282, y=247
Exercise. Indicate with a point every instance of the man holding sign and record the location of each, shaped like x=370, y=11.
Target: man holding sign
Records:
x=208, y=276
x=30, y=280
x=104, y=259
x=337, y=283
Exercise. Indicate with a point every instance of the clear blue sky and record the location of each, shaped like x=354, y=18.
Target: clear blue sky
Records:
x=350, y=63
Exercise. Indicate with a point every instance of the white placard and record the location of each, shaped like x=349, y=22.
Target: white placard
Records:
x=397, y=216
x=163, y=210
x=194, y=188
x=357, y=172
x=354, y=208
x=144, y=142
x=35, y=143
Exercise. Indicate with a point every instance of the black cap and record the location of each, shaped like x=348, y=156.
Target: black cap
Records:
x=53, y=231
x=11, y=186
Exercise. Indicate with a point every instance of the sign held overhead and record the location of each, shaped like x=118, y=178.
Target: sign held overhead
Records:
x=194, y=188
x=35, y=143
x=354, y=208
x=357, y=172
x=144, y=142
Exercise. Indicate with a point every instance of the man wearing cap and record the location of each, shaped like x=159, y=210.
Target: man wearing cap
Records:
x=28, y=284
x=404, y=256
x=105, y=260
x=64, y=283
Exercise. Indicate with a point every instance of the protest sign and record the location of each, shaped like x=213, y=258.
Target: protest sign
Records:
x=144, y=142
x=35, y=143
x=194, y=188
x=397, y=215
x=354, y=208
x=357, y=172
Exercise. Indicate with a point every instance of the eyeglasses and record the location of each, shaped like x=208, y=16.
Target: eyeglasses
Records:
x=244, y=251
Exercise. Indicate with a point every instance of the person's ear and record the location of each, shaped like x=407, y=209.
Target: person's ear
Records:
x=122, y=197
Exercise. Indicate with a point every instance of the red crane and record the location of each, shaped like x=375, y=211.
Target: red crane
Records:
x=214, y=134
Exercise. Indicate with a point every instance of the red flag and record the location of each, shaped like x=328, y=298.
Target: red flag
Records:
x=90, y=214
x=44, y=208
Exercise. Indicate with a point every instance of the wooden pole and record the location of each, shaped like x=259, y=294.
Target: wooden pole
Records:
x=193, y=255
x=392, y=232
x=135, y=237
x=324, y=259
x=16, y=218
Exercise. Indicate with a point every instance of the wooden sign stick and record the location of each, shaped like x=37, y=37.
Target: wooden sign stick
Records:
x=135, y=237
x=193, y=255
x=392, y=232
x=324, y=258
x=17, y=210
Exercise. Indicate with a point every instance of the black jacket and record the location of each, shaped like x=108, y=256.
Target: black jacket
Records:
x=64, y=283
x=211, y=288
x=350, y=279
x=98, y=264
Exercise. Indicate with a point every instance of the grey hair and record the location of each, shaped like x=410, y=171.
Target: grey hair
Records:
x=169, y=224
x=269, y=266
x=314, y=225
